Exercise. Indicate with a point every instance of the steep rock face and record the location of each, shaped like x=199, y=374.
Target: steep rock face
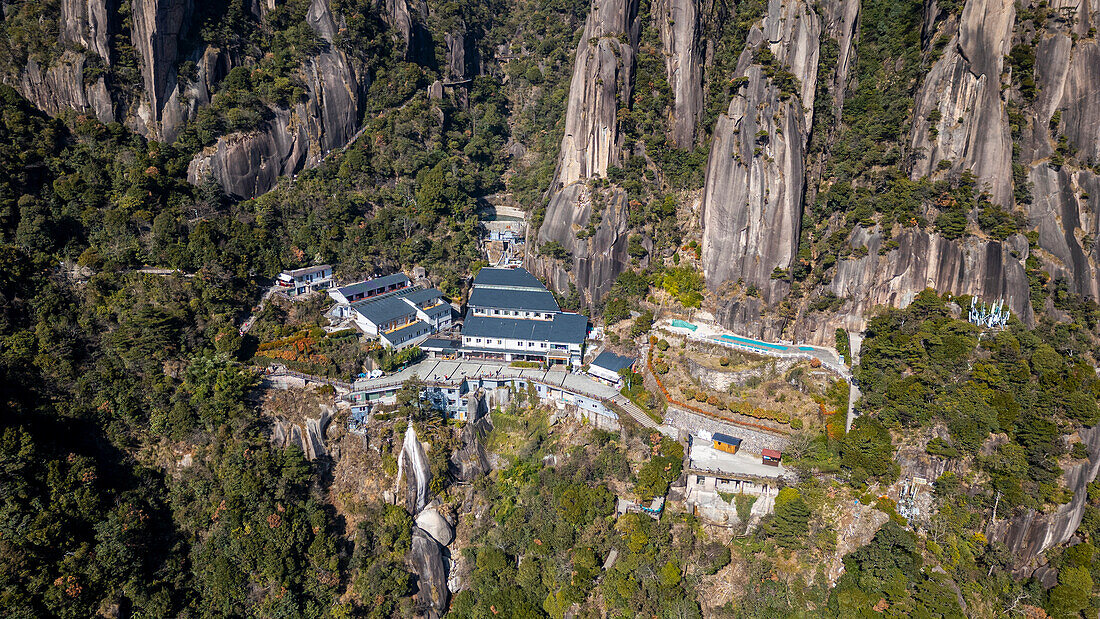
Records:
x=84, y=23
x=308, y=436
x=1067, y=73
x=680, y=28
x=247, y=165
x=407, y=17
x=752, y=199
x=426, y=557
x=988, y=269
x=602, y=78
x=471, y=460
x=1031, y=533
x=158, y=26
x=841, y=23
x=964, y=85
x=1069, y=230
x=61, y=87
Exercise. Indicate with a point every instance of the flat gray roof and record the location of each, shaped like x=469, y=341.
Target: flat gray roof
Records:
x=381, y=311
x=408, y=332
x=307, y=270
x=564, y=328
x=503, y=298
x=612, y=362
x=438, y=371
x=518, y=277
x=373, y=284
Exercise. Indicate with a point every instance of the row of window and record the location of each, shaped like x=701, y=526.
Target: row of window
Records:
x=512, y=313
x=519, y=343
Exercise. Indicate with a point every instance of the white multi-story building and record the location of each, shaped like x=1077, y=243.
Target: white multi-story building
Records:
x=399, y=314
x=511, y=316
x=299, y=282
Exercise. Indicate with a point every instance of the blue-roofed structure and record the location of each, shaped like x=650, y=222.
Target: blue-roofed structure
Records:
x=369, y=289
x=511, y=316
x=490, y=301
x=399, y=309
x=607, y=364
x=725, y=442
x=514, y=278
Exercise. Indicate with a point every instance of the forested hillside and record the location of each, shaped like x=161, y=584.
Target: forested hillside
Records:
x=842, y=173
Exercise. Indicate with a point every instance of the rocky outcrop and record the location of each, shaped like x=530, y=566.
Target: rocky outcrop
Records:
x=308, y=436
x=679, y=24
x=247, y=165
x=413, y=473
x=752, y=200
x=61, y=87
x=602, y=81
x=471, y=461
x=1031, y=533
x=426, y=559
x=988, y=269
x=406, y=17
x=1067, y=72
x=64, y=85
x=433, y=523
x=84, y=25
x=964, y=87
x=158, y=26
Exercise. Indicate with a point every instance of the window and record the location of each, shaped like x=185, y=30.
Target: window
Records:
x=496, y=312
x=479, y=340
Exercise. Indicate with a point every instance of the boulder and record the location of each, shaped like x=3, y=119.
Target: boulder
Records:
x=434, y=524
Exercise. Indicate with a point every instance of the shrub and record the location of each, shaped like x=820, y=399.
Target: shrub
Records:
x=724, y=361
x=713, y=400
x=661, y=344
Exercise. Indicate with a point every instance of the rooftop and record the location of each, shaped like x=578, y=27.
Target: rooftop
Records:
x=564, y=328
x=514, y=278
x=307, y=270
x=409, y=331
x=434, y=371
x=420, y=296
x=612, y=362
x=383, y=310
x=726, y=438
x=514, y=299
x=439, y=343
x=373, y=284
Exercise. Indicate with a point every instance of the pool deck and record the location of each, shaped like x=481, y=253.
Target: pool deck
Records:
x=707, y=332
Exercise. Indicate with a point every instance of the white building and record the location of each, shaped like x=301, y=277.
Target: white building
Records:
x=367, y=289
x=511, y=316
x=400, y=318
x=300, y=282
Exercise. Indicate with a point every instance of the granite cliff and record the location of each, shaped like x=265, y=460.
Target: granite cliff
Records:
x=602, y=82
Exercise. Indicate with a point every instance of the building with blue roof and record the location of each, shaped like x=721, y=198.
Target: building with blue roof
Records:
x=511, y=316
x=369, y=289
x=398, y=314
x=607, y=364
